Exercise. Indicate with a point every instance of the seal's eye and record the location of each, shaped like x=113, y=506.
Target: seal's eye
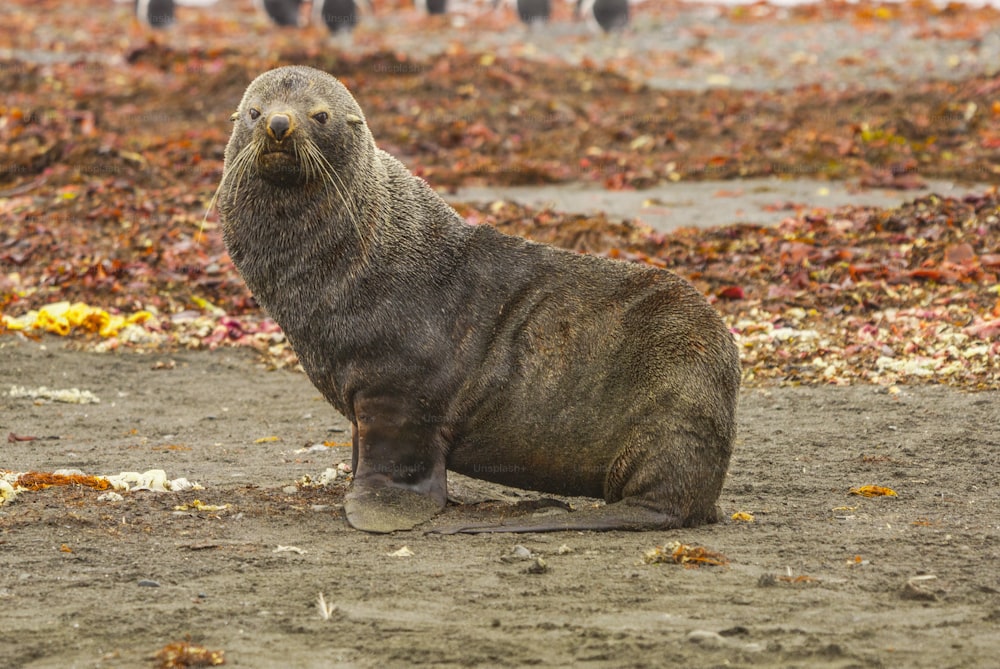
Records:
x=321, y=117
x=254, y=114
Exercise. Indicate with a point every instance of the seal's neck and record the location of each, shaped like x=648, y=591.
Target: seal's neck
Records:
x=283, y=237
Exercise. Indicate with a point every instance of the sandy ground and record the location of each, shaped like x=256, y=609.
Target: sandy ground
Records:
x=819, y=579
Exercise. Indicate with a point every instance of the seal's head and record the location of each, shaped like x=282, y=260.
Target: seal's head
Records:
x=295, y=125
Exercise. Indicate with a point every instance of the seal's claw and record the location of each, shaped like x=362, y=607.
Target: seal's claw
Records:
x=388, y=509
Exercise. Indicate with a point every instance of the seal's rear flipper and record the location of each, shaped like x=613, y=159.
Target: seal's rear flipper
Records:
x=388, y=509
x=618, y=516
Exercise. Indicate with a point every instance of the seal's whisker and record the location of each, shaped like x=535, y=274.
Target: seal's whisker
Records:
x=240, y=164
x=332, y=180
x=302, y=159
x=298, y=159
x=330, y=183
x=340, y=189
x=211, y=205
x=237, y=168
x=314, y=169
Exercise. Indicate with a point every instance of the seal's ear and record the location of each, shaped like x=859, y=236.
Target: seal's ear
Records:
x=354, y=119
x=235, y=116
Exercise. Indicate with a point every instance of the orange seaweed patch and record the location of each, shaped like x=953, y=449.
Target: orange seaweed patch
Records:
x=873, y=491
x=42, y=480
x=695, y=556
x=689, y=556
x=182, y=654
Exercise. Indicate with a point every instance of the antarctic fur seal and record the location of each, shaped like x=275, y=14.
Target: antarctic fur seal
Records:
x=451, y=346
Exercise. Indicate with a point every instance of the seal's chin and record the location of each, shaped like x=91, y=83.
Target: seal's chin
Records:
x=280, y=166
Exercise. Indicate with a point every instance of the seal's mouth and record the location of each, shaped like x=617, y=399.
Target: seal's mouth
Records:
x=278, y=155
x=277, y=149
x=279, y=164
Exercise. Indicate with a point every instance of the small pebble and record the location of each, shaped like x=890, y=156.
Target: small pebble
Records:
x=539, y=566
x=738, y=630
x=521, y=552
x=767, y=580
x=915, y=589
x=518, y=552
x=147, y=583
x=706, y=638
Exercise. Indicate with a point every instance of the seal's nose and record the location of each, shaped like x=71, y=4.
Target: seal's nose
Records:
x=278, y=125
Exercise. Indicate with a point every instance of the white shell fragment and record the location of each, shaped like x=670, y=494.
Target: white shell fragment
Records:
x=402, y=552
x=7, y=491
x=69, y=395
x=154, y=480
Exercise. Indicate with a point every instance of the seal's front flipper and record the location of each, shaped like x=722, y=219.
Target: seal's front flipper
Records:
x=399, y=468
x=388, y=509
x=623, y=515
